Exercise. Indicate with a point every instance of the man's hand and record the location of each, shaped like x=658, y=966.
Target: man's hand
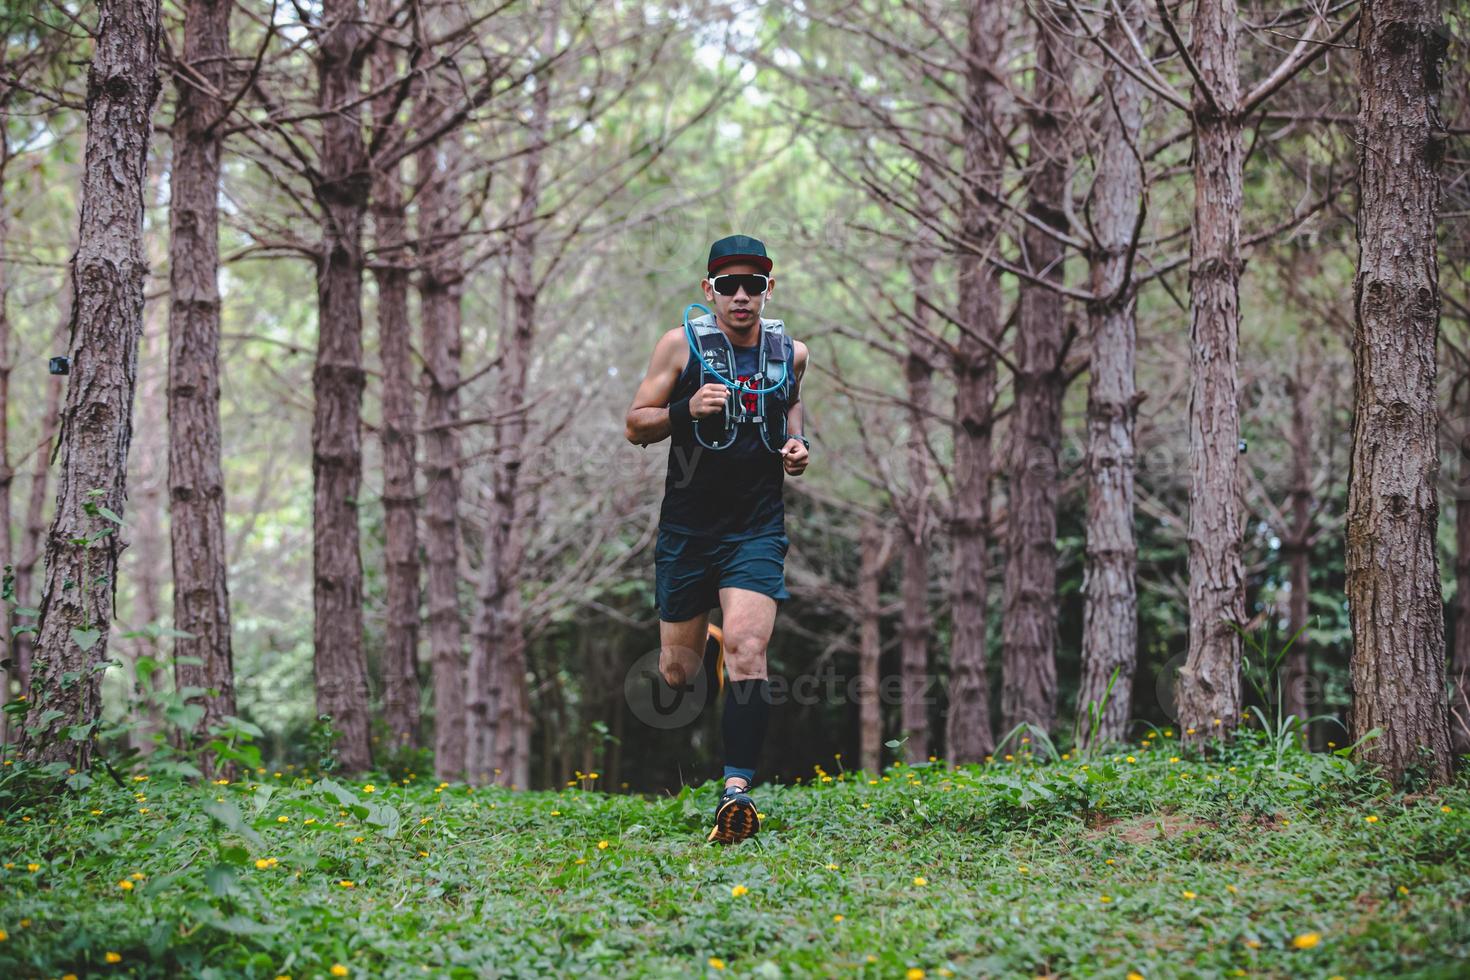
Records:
x=709, y=400
x=794, y=457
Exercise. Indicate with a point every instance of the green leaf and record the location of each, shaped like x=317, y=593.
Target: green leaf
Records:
x=221, y=879
x=228, y=814
x=86, y=639
x=105, y=512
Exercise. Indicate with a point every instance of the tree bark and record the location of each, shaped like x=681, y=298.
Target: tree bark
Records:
x=7, y=474
x=337, y=382
x=1295, y=673
x=968, y=733
x=35, y=519
x=872, y=550
x=1393, y=589
x=108, y=272
x=196, y=493
x=916, y=509
x=1459, y=687
x=1109, y=585
x=1209, y=685
x=441, y=284
x=400, y=498
x=1029, y=621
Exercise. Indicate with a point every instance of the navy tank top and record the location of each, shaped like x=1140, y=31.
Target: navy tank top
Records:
x=730, y=494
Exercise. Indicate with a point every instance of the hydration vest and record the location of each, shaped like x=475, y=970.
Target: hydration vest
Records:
x=777, y=351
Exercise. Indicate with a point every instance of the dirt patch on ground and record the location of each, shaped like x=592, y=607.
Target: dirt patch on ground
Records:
x=1144, y=830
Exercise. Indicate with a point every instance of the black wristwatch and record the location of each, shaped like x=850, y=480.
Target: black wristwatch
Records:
x=804, y=440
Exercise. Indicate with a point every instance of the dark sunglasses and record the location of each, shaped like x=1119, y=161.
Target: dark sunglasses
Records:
x=730, y=284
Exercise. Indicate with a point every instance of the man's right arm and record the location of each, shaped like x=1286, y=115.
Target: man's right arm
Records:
x=648, y=417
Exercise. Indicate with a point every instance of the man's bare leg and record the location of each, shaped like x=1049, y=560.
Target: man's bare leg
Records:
x=681, y=649
x=749, y=619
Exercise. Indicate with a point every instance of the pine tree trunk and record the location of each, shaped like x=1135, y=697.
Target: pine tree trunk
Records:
x=35, y=518
x=1029, y=622
x=915, y=622
x=1110, y=596
x=968, y=734
x=1459, y=687
x=400, y=499
x=1295, y=674
x=870, y=642
x=1393, y=589
x=196, y=492
x=7, y=474
x=441, y=286
x=143, y=557
x=1209, y=685
x=108, y=272
x=337, y=382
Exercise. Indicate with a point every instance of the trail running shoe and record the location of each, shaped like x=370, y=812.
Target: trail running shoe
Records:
x=736, y=817
x=714, y=665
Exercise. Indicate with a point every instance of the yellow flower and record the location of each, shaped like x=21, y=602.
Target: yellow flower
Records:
x=25, y=923
x=125, y=885
x=1131, y=759
x=1110, y=861
x=1134, y=975
x=283, y=976
x=283, y=819
x=369, y=788
x=1232, y=889
x=1370, y=818
x=921, y=881
x=1253, y=944
x=1307, y=940
x=716, y=963
x=338, y=970
x=1189, y=894
x=914, y=973
x=4, y=935
x=222, y=782
x=33, y=867
x=112, y=957
x=347, y=884
x=425, y=820
x=1189, y=731
x=1445, y=809
x=98, y=813
x=838, y=917
x=1173, y=758
x=556, y=813
x=1023, y=869
x=1105, y=899
x=602, y=845
x=1403, y=890
x=739, y=890
x=581, y=861
x=358, y=840
x=872, y=958
x=831, y=867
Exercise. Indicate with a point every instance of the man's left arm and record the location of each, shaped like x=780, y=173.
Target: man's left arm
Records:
x=794, y=454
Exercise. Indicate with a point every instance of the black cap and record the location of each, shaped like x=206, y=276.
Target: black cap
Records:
x=739, y=248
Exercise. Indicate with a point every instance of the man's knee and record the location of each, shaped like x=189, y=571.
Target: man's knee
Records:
x=745, y=656
x=677, y=665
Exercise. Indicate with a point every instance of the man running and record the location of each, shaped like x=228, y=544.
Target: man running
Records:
x=734, y=414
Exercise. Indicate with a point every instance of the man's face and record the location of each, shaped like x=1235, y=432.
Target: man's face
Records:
x=743, y=309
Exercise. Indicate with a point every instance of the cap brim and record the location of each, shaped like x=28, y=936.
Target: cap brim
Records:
x=760, y=261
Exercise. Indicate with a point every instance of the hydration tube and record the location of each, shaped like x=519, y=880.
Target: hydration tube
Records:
x=735, y=385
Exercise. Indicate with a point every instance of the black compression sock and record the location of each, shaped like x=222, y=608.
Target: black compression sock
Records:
x=747, y=714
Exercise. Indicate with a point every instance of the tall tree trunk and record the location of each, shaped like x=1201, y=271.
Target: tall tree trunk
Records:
x=400, y=499
x=1393, y=589
x=1459, y=688
x=441, y=284
x=196, y=492
x=35, y=518
x=915, y=623
x=108, y=272
x=968, y=733
x=1029, y=623
x=1295, y=675
x=337, y=382
x=871, y=550
x=504, y=639
x=7, y=474
x=1109, y=586
x=144, y=566
x=1209, y=685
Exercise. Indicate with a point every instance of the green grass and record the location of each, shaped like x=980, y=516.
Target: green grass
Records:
x=1208, y=868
